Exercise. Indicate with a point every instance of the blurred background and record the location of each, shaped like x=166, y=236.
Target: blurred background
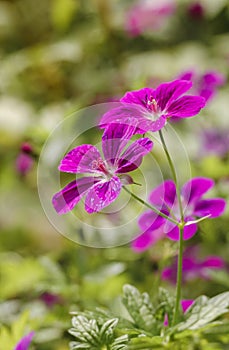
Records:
x=58, y=56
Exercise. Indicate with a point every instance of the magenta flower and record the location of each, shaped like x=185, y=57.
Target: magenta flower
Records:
x=164, y=198
x=186, y=303
x=149, y=109
x=193, y=267
x=50, y=299
x=147, y=16
x=24, y=343
x=108, y=174
x=24, y=161
x=204, y=85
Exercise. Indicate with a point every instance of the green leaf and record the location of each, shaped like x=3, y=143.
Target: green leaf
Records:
x=86, y=331
x=140, y=308
x=120, y=343
x=166, y=306
x=90, y=334
x=205, y=310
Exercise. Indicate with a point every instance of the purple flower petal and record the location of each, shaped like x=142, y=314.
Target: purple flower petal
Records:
x=115, y=138
x=186, y=106
x=102, y=194
x=186, y=303
x=173, y=231
x=70, y=195
x=213, y=78
x=143, y=242
x=207, y=93
x=190, y=231
x=135, y=115
x=187, y=75
x=81, y=160
x=126, y=113
x=166, y=93
x=213, y=262
x=169, y=273
x=132, y=157
x=196, y=188
x=139, y=97
x=164, y=193
x=147, y=239
x=151, y=220
x=24, y=163
x=24, y=343
x=215, y=207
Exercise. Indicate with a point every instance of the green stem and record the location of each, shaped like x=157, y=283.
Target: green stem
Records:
x=179, y=275
x=181, y=232
x=172, y=168
x=150, y=206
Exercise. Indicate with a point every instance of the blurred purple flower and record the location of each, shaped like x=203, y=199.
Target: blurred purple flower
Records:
x=186, y=303
x=193, y=267
x=196, y=11
x=147, y=15
x=149, y=109
x=50, y=299
x=215, y=141
x=24, y=343
x=164, y=198
x=109, y=175
x=204, y=85
x=24, y=161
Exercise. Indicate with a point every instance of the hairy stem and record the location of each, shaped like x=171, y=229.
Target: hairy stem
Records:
x=181, y=232
x=179, y=275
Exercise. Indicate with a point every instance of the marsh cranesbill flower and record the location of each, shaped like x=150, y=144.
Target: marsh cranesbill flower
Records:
x=193, y=267
x=108, y=172
x=24, y=161
x=149, y=109
x=215, y=141
x=147, y=15
x=164, y=198
x=206, y=84
x=25, y=342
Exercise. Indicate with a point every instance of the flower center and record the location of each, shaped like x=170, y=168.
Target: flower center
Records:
x=99, y=165
x=152, y=105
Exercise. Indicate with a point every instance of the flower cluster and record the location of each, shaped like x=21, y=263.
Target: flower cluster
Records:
x=141, y=111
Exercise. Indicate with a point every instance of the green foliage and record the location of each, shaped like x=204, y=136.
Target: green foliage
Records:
x=9, y=337
x=98, y=330
x=91, y=334
x=205, y=310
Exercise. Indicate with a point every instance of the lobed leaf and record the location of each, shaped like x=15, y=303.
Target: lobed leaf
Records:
x=140, y=308
x=205, y=310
